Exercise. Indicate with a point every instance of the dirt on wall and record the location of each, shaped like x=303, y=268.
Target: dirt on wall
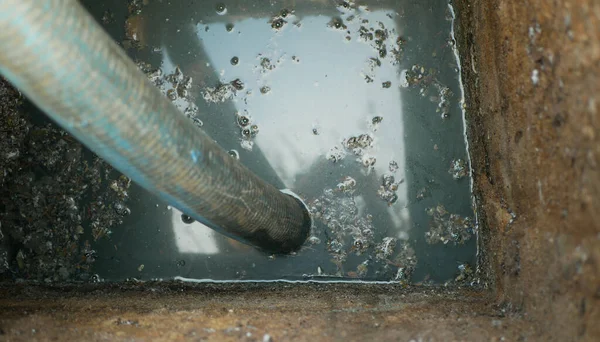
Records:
x=531, y=71
x=253, y=312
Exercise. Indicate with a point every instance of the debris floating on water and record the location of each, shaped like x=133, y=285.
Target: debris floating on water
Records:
x=458, y=169
x=388, y=188
x=52, y=192
x=448, y=228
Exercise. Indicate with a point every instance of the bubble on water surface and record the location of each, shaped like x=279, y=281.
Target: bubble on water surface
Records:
x=234, y=153
x=221, y=9
x=187, y=219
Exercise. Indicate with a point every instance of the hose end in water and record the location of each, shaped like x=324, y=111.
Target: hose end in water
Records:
x=293, y=238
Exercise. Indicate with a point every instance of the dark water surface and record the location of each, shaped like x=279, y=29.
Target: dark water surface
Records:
x=356, y=107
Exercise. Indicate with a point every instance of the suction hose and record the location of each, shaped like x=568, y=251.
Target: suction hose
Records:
x=57, y=55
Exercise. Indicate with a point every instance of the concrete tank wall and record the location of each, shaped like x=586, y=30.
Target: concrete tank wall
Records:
x=531, y=71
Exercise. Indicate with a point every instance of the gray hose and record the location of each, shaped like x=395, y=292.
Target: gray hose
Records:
x=57, y=54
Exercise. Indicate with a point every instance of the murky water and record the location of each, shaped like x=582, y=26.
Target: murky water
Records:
x=356, y=107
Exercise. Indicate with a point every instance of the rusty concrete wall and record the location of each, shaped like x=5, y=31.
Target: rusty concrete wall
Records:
x=253, y=312
x=532, y=73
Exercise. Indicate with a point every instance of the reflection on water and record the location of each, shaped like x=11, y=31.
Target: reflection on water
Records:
x=315, y=81
x=192, y=237
x=355, y=108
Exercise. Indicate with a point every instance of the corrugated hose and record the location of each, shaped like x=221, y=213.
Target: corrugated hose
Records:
x=64, y=62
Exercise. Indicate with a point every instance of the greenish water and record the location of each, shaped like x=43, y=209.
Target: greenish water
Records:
x=355, y=107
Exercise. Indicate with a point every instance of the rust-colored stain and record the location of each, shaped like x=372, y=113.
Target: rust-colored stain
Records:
x=531, y=71
x=251, y=312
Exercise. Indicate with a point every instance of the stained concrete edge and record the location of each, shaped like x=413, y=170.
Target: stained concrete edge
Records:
x=531, y=70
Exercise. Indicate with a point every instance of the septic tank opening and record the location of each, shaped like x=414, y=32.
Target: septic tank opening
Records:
x=530, y=77
x=337, y=102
